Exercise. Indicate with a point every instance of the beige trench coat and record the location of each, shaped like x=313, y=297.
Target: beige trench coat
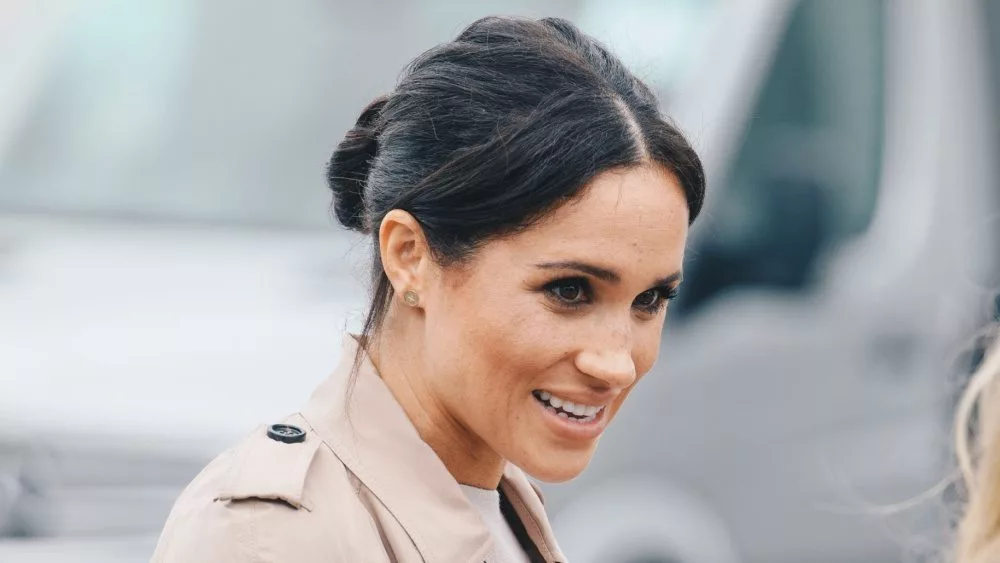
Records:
x=357, y=489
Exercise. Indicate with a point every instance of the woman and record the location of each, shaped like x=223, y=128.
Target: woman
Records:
x=979, y=530
x=528, y=207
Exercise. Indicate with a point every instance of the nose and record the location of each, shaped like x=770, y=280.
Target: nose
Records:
x=613, y=367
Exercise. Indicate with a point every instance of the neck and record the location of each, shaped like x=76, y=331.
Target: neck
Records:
x=400, y=360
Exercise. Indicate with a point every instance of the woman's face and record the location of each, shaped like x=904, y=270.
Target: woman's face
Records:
x=535, y=342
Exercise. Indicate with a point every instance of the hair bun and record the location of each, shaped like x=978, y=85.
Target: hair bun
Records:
x=347, y=171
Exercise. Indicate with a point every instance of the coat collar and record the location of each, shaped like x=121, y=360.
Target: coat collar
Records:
x=368, y=430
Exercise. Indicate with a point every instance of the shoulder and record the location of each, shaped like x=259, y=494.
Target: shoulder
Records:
x=277, y=496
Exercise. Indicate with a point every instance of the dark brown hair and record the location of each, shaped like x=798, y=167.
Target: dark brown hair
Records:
x=485, y=134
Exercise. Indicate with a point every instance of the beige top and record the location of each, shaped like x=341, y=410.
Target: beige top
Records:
x=487, y=502
x=361, y=487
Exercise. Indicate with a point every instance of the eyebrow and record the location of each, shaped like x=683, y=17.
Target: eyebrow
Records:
x=603, y=273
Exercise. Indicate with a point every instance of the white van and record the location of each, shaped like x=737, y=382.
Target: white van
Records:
x=845, y=254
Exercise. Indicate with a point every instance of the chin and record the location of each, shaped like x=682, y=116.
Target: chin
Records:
x=555, y=468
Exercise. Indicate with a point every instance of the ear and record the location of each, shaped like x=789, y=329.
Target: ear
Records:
x=404, y=251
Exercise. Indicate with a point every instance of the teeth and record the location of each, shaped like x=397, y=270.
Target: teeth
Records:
x=582, y=413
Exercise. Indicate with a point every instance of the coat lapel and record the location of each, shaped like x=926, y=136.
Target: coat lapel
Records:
x=370, y=433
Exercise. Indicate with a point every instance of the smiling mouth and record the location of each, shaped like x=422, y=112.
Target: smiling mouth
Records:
x=582, y=414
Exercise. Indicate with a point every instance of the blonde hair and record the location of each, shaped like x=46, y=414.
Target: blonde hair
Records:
x=977, y=443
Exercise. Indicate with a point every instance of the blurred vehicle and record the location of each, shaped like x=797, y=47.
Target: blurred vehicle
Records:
x=845, y=254
x=842, y=257
x=153, y=253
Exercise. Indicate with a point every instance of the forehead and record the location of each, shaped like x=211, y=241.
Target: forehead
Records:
x=637, y=215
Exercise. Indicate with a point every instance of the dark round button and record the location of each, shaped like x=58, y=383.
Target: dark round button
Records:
x=286, y=433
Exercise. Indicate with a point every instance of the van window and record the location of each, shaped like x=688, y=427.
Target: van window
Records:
x=992, y=13
x=993, y=36
x=805, y=177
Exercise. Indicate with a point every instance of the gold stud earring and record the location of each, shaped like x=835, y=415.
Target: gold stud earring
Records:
x=411, y=298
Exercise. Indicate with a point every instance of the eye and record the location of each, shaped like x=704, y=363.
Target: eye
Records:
x=571, y=291
x=652, y=300
x=648, y=298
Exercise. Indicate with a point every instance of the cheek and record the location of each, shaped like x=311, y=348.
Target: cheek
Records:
x=646, y=349
x=514, y=346
x=492, y=341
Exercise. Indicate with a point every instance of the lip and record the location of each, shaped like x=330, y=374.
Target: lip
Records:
x=573, y=431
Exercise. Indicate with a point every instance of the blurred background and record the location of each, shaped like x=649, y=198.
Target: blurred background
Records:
x=170, y=276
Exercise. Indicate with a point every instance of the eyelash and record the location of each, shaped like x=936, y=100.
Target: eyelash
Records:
x=665, y=294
